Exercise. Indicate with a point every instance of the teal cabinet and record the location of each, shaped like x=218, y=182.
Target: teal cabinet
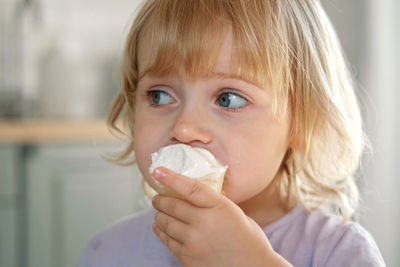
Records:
x=8, y=206
x=69, y=194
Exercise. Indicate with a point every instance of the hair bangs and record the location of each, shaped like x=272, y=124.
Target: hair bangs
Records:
x=186, y=38
x=186, y=42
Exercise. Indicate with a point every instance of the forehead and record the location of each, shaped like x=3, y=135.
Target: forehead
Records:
x=220, y=59
x=195, y=54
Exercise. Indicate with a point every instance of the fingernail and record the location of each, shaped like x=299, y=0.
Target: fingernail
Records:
x=155, y=229
x=159, y=174
x=153, y=201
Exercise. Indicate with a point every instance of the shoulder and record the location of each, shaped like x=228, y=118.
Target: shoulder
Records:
x=339, y=243
x=129, y=241
x=320, y=239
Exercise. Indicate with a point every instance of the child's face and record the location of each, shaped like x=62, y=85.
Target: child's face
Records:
x=230, y=117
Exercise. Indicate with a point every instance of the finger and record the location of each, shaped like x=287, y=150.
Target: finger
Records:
x=175, y=207
x=174, y=246
x=170, y=226
x=189, y=189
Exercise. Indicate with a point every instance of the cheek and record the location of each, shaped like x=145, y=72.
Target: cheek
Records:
x=251, y=171
x=147, y=140
x=142, y=153
x=255, y=160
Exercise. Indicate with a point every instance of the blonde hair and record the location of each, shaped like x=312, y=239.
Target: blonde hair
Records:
x=289, y=43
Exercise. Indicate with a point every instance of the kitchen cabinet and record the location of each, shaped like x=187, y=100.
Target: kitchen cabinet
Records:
x=71, y=195
x=8, y=206
x=55, y=196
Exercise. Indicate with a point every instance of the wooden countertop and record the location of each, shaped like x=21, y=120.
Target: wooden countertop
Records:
x=29, y=131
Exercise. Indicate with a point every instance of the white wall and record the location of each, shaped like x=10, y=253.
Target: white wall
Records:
x=70, y=51
x=382, y=214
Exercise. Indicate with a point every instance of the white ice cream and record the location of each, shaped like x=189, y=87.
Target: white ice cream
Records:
x=193, y=162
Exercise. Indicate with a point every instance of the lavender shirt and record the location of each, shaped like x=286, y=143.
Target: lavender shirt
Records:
x=302, y=238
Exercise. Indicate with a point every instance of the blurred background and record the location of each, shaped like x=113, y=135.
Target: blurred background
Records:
x=59, y=64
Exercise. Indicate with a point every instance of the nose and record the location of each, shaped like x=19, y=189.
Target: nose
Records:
x=191, y=127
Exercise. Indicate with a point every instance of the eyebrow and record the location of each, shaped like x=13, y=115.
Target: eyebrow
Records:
x=222, y=75
x=218, y=75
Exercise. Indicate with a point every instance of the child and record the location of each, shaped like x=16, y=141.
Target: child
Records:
x=263, y=85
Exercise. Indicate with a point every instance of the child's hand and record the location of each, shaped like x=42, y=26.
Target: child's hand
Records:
x=206, y=228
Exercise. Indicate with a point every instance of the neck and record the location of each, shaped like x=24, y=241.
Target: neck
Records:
x=266, y=207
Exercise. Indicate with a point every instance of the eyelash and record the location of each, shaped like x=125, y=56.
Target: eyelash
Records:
x=231, y=109
x=149, y=95
x=234, y=92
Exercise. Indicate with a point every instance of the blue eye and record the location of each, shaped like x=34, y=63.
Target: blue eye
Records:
x=231, y=100
x=159, y=97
